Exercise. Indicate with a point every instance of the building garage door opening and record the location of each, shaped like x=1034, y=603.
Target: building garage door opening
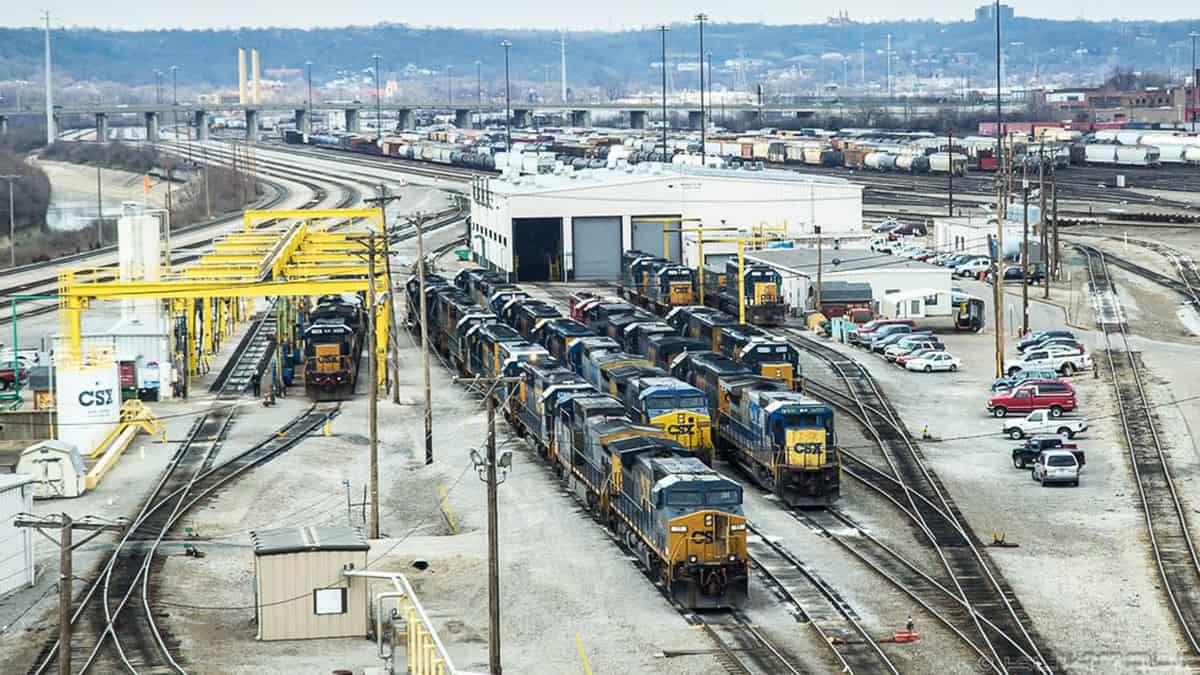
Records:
x=648, y=234
x=596, y=248
x=537, y=249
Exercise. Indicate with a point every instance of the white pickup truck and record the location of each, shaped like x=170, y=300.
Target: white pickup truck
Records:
x=1041, y=422
x=1059, y=359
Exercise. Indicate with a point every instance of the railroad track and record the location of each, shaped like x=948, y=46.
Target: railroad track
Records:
x=1171, y=545
x=998, y=620
x=114, y=624
x=819, y=604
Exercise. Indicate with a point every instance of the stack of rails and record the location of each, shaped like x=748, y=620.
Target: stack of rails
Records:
x=681, y=519
x=333, y=341
x=659, y=285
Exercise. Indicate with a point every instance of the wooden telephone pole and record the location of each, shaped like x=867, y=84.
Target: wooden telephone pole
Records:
x=418, y=222
x=381, y=203
x=66, y=527
x=373, y=373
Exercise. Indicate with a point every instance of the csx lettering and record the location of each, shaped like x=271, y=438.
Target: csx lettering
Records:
x=807, y=449
x=88, y=399
x=680, y=428
x=702, y=537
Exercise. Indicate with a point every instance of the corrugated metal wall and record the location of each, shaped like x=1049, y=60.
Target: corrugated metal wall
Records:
x=286, y=583
x=16, y=544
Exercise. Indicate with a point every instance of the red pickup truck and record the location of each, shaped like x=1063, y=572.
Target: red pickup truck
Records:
x=1057, y=397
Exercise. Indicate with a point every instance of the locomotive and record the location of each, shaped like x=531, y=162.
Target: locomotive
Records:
x=333, y=342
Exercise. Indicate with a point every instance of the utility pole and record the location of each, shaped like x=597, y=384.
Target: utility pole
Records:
x=381, y=203
x=12, y=226
x=507, y=121
x=562, y=41
x=100, y=207
x=66, y=526
x=1191, y=98
x=997, y=292
x=418, y=222
x=50, y=130
x=378, y=113
x=817, y=231
x=950, y=173
x=1042, y=221
x=701, y=18
x=373, y=402
x=663, y=29
x=1054, y=216
x=1024, y=254
x=486, y=469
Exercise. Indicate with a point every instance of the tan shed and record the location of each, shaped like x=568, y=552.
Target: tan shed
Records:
x=300, y=592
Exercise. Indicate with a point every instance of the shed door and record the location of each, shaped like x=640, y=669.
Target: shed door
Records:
x=648, y=234
x=596, y=247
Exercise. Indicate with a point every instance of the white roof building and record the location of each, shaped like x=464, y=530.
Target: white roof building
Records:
x=575, y=225
x=16, y=562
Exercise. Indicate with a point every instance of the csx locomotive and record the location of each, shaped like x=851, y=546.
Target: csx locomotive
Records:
x=333, y=342
x=621, y=453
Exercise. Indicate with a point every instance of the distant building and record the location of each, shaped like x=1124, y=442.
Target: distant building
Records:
x=987, y=13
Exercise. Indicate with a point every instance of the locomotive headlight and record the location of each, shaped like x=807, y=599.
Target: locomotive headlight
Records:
x=692, y=558
x=732, y=557
x=740, y=527
x=679, y=528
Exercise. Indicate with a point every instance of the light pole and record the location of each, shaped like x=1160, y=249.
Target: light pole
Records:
x=378, y=118
x=308, y=67
x=1192, y=98
x=708, y=57
x=507, y=100
x=157, y=88
x=12, y=227
x=175, y=101
x=701, y=18
x=486, y=467
x=663, y=30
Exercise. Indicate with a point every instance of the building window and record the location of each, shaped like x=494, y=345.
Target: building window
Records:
x=914, y=307
x=931, y=301
x=329, y=601
x=889, y=291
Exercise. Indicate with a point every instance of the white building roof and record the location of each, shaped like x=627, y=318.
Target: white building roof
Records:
x=8, y=481
x=649, y=172
x=804, y=261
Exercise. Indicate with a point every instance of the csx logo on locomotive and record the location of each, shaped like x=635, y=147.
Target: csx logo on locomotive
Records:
x=702, y=537
x=807, y=448
x=680, y=429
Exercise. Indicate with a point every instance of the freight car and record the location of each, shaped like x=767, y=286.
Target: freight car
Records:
x=333, y=341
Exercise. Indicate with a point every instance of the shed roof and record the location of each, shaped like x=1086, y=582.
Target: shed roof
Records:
x=300, y=539
x=845, y=291
x=654, y=171
x=804, y=261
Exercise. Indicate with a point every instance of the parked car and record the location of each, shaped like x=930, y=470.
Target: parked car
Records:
x=1025, y=454
x=886, y=225
x=1060, y=359
x=6, y=377
x=1056, y=466
x=961, y=259
x=902, y=361
x=911, y=230
x=972, y=268
x=887, y=245
x=885, y=337
x=1016, y=274
x=1022, y=376
x=1057, y=397
x=864, y=334
x=1044, y=422
x=912, y=343
x=1037, y=337
x=931, y=361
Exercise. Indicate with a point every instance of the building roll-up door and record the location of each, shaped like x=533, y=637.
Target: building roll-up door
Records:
x=648, y=234
x=596, y=247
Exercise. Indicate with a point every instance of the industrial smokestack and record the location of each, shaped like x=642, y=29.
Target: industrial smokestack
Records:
x=241, y=76
x=254, y=67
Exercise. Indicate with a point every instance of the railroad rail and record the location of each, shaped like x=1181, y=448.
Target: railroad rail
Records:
x=1166, y=520
x=114, y=624
x=817, y=602
x=998, y=619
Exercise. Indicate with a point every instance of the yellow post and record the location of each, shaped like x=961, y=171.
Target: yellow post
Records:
x=700, y=265
x=190, y=343
x=587, y=669
x=741, y=281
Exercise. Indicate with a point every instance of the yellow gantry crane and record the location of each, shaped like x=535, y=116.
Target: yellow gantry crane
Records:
x=285, y=253
x=741, y=255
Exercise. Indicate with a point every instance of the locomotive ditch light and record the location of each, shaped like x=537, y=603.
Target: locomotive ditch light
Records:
x=505, y=461
x=476, y=459
x=679, y=528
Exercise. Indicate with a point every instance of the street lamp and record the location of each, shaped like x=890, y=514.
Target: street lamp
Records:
x=663, y=29
x=507, y=100
x=701, y=18
x=1192, y=98
x=378, y=119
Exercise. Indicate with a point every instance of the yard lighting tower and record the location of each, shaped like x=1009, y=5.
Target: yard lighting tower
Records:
x=507, y=100
x=175, y=101
x=700, y=19
x=663, y=30
x=378, y=118
x=308, y=67
x=1195, y=84
x=479, y=85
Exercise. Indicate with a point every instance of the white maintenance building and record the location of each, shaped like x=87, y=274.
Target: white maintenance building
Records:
x=16, y=563
x=575, y=225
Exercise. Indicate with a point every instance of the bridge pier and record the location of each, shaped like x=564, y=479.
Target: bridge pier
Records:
x=200, y=121
x=637, y=119
x=695, y=119
x=352, y=120
x=303, y=121
x=404, y=119
x=101, y=127
x=152, y=127
x=520, y=117
x=462, y=118
x=3, y=125
x=251, y=125
x=581, y=118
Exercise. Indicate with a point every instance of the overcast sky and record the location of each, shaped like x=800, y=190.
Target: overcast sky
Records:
x=604, y=14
